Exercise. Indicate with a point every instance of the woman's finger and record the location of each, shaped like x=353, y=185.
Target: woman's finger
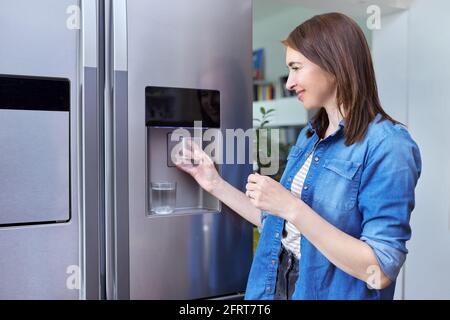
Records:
x=186, y=167
x=254, y=178
x=193, y=145
x=193, y=151
x=250, y=186
x=190, y=154
x=180, y=161
x=203, y=156
x=183, y=155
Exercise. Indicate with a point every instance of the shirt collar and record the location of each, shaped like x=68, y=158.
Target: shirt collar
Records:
x=313, y=128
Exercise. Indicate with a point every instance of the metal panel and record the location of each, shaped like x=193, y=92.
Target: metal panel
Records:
x=93, y=272
x=120, y=173
x=203, y=44
x=90, y=11
x=34, y=166
x=119, y=27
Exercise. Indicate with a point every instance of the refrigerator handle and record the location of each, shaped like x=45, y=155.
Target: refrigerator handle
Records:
x=91, y=151
x=109, y=188
x=116, y=151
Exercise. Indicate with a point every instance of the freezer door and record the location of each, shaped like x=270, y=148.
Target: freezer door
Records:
x=39, y=156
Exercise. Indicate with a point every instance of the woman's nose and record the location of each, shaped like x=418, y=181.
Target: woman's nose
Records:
x=290, y=85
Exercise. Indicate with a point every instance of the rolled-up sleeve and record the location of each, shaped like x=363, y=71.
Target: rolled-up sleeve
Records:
x=386, y=199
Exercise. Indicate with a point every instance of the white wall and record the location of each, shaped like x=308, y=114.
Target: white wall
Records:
x=411, y=54
x=389, y=52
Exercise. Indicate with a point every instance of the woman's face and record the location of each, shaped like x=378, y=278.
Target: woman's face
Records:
x=315, y=87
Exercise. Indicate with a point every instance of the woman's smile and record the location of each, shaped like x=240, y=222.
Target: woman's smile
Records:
x=300, y=95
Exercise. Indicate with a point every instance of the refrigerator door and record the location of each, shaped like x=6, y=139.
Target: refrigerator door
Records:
x=206, y=45
x=39, y=150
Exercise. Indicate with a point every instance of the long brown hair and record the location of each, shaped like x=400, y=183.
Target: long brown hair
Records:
x=337, y=44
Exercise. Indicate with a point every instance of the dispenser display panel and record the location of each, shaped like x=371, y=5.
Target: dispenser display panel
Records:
x=180, y=107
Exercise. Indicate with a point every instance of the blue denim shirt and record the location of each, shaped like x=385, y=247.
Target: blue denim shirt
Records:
x=366, y=190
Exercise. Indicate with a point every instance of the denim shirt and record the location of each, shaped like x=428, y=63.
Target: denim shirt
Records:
x=366, y=190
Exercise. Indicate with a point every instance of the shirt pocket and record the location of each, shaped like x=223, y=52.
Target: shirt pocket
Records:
x=294, y=154
x=338, y=183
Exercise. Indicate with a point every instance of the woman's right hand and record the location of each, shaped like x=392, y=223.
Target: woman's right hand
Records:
x=205, y=173
x=203, y=169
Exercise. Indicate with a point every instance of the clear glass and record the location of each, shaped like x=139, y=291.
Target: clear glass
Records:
x=187, y=149
x=163, y=197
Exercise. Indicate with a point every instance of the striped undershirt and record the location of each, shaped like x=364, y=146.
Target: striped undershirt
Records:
x=291, y=236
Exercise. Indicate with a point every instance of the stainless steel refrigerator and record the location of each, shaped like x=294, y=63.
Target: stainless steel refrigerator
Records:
x=90, y=93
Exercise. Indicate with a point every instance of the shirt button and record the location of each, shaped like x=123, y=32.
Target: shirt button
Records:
x=277, y=235
x=273, y=262
x=305, y=187
x=268, y=289
x=316, y=159
x=289, y=179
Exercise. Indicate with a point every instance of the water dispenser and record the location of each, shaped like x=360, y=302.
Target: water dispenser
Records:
x=171, y=114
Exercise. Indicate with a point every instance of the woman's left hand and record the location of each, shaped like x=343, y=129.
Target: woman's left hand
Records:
x=268, y=195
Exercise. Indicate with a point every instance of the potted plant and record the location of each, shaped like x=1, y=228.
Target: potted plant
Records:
x=262, y=131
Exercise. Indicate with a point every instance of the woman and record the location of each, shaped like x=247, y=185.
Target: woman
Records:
x=336, y=225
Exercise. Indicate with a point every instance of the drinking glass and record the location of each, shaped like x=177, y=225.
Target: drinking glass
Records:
x=163, y=197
